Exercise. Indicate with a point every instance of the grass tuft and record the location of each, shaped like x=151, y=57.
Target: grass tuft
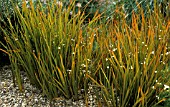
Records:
x=127, y=65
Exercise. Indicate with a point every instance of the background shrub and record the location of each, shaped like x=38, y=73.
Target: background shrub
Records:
x=147, y=6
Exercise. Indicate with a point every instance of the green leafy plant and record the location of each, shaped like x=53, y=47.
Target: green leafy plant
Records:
x=6, y=10
x=133, y=62
x=50, y=48
x=127, y=65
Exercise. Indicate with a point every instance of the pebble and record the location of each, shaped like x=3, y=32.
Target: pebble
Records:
x=10, y=96
x=0, y=101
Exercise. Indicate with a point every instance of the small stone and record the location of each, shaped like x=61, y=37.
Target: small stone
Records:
x=0, y=101
x=15, y=105
x=23, y=104
x=5, y=101
x=27, y=95
x=20, y=101
x=68, y=102
x=74, y=103
x=36, y=100
x=2, y=84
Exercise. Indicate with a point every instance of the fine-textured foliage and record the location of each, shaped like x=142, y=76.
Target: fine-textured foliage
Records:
x=52, y=47
x=5, y=11
x=127, y=65
x=132, y=64
x=148, y=6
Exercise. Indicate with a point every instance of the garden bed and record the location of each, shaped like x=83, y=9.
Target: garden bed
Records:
x=119, y=59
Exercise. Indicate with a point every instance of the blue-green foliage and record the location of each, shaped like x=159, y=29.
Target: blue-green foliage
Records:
x=147, y=6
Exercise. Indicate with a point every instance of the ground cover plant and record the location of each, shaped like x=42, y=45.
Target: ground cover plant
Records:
x=126, y=63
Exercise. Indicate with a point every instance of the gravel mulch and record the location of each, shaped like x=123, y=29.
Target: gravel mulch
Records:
x=10, y=96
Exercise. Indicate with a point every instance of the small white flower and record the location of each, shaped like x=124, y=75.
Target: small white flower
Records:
x=83, y=65
x=160, y=38
x=78, y=5
x=71, y=13
x=88, y=60
x=107, y=59
x=159, y=83
x=156, y=71
x=16, y=39
x=157, y=97
x=59, y=47
x=166, y=87
x=89, y=71
x=152, y=52
x=167, y=53
x=143, y=42
x=73, y=53
x=114, y=49
x=68, y=70
x=110, y=45
x=153, y=87
x=144, y=62
x=84, y=71
x=72, y=39
x=107, y=67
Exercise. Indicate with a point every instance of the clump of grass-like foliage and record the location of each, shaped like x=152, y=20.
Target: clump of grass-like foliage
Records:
x=127, y=65
x=133, y=69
